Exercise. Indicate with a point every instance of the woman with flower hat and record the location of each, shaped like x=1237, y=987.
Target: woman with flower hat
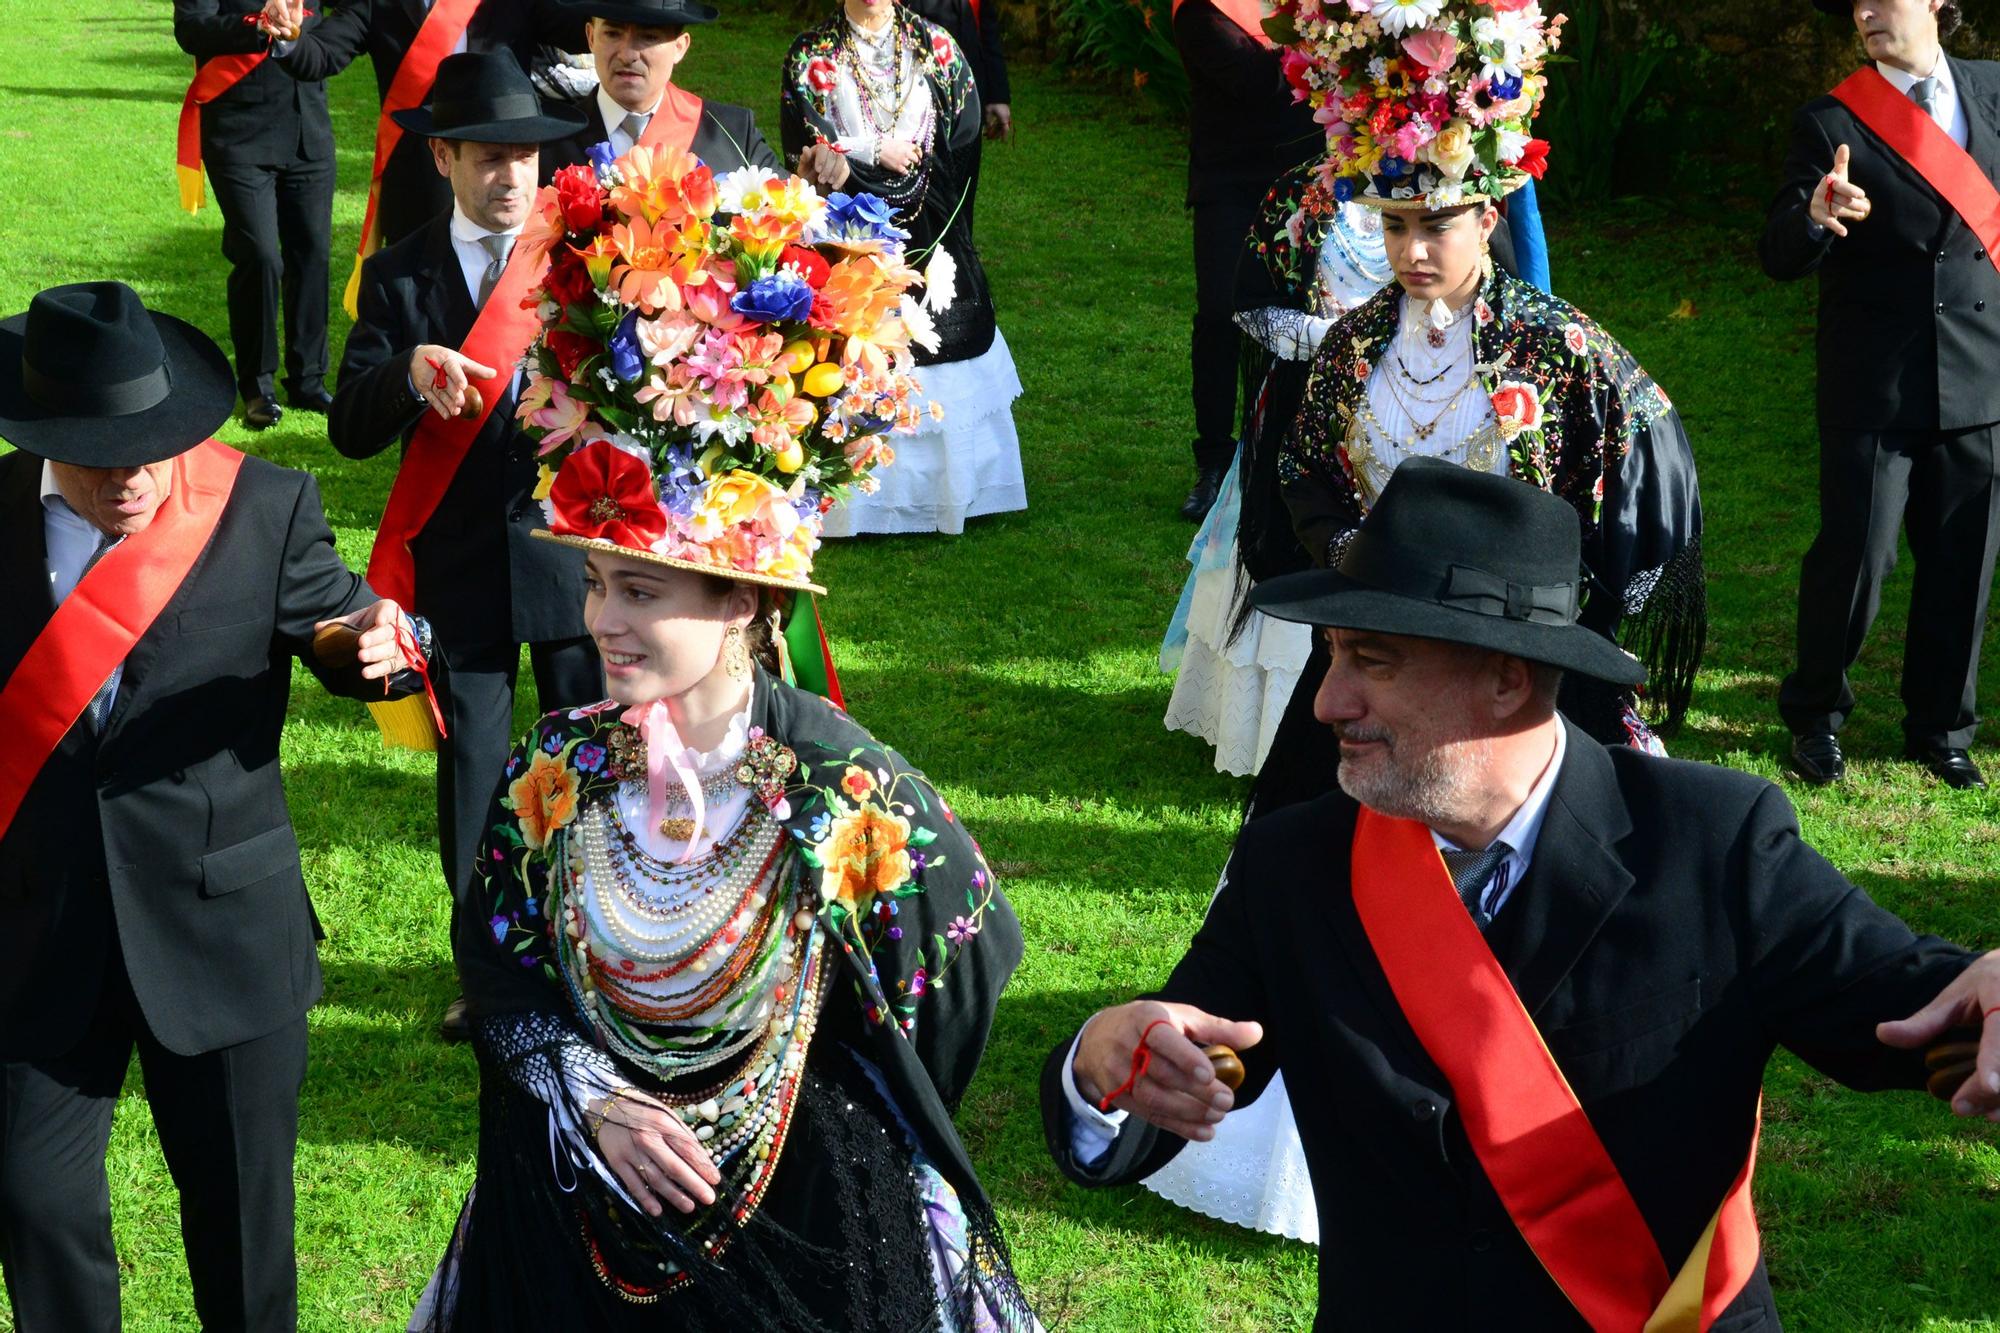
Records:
x=735, y=961
x=879, y=99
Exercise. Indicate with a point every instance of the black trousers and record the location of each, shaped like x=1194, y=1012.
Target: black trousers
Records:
x=228, y=1123
x=478, y=703
x=1221, y=224
x=277, y=227
x=1939, y=488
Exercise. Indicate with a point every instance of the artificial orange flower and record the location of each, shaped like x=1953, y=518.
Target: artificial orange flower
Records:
x=598, y=258
x=865, y=854
x=655, y=261
x=665, y=185
x=543, y=798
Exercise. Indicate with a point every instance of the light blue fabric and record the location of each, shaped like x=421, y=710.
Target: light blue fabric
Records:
x=1214, y=547
x=1531, y=243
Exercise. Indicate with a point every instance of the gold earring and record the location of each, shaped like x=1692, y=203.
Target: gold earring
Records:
x=735, y=657
x=1486, y=260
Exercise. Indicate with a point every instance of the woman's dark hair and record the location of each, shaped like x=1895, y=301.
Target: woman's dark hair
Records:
x=760, y=636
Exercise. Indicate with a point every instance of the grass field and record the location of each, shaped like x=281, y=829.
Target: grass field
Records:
x=1017, y=665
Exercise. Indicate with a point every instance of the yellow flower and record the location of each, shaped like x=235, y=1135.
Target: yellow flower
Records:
x=1451, y=150
x=543, y=798
x=865, y=854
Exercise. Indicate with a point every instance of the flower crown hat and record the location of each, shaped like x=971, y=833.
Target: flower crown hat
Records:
x=1427, y=104
x=721, y=360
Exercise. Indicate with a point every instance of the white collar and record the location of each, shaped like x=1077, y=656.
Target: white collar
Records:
x=1525, y=828
x=468, y=232
x=1903, y=80
x=614, y=115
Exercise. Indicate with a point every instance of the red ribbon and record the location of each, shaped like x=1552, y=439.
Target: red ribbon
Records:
x=1142, y=1060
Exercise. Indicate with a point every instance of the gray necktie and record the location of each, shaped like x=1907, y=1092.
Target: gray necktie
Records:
x=497, y=247
x=1471, y=872
x=100, y=703
x=634, y=125
x=1924, y=93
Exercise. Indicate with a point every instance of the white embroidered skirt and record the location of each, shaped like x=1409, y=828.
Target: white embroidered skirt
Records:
x=1252, y=1173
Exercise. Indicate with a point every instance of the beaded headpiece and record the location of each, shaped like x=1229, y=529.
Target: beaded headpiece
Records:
x=1427, y=104
x=721, y=359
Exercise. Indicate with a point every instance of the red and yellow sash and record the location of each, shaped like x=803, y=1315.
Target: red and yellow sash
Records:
x=1909, y=131
x=435, y=40
x=105, y=615
x=1532, y=1136
x=1245, y=14
x=212, y=79
x=674, y=121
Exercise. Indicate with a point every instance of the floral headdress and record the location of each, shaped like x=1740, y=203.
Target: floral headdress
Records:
x=1427, y=104
x=721, y=359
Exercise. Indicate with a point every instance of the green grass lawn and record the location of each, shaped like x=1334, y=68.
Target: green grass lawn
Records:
x=1017, y=665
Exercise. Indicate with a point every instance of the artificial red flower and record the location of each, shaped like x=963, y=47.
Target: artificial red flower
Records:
x=580, y=197
x=568, y=281
x=819, y=75
x=1535, y=158
x=809, y=264
x=1294, y=67
x=603, y=492
x=1508, y=6
x=569, y=350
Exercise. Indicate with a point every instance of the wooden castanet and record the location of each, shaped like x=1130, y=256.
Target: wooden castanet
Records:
x=1228, y=1067
x=336, y=645
x=474, y=403
x=1951, y=1062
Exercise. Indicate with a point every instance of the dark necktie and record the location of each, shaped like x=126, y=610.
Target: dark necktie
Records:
x=100, y=703
x=497, y=247
x=1471, y=872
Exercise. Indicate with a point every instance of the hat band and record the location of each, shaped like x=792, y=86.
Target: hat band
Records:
x=95, y=398
x=1461, y=587
x=448, y=115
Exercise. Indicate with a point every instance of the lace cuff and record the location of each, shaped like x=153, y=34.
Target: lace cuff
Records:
x=1290, y=335
x=545, y=1057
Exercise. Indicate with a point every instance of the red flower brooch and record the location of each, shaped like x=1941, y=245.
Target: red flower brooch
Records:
x=605, y=493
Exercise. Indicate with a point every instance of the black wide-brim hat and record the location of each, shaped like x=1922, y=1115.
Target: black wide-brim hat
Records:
x=1464, y=556
x=645, y=13
x=89, y=376
x=486, y=97
x=1842, y=8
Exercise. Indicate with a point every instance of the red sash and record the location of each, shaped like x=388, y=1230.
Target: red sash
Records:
x=441, y=29
x=498, y=337
x=1910, y=132
x=212, y=79
x=1245, y=14
x=105, y=615
x=674, y=121
x=1533, y=1138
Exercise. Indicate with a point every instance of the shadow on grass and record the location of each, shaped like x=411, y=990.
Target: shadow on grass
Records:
x=78, y=93
x=379, y=1072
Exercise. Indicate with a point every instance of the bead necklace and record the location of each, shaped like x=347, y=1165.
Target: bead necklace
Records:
x=1424, y=429
x=1443, y=369
x=1480, y=451
x=716, y=791
x=874, y=90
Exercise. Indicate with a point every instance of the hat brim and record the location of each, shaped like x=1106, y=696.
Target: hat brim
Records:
x=1328, y=597
x=682, y=14
x=202, y=397
x=1838, y=8
x=626, y=552
x=553, y=123
x=1422, y=205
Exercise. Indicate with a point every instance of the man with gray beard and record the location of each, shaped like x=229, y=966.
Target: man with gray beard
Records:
x=1521, y=986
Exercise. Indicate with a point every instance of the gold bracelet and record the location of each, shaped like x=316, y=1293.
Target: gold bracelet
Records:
x=604, y=1111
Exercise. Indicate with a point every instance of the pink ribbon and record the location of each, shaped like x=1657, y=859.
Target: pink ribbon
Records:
x=663, y=751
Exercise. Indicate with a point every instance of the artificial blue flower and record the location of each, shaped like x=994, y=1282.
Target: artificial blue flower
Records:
x=861, y=217
x=628, y=362
x=1505, y=88
x=1343, y=190
x=601, y=156
x=782, y=296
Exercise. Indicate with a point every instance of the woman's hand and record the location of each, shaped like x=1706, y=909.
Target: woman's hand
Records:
x=658, y=1159
x=824, y=165
x=898, y=155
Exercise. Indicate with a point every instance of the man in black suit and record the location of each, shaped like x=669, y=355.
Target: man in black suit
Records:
x=1651, y=930
x=975, y=26
x=149, y=876
x=636, y=46
x=485, y=585
x=267, y=144
x=412, y=193
x=1245, y=130
x=1909, y=392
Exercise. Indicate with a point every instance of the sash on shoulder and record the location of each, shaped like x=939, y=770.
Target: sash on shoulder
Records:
x=674, y=121
x=212, y=78
x=439, y=34
x=1245, y=14
x=107, y=613
x=1912, y=135
x=1533, y=1138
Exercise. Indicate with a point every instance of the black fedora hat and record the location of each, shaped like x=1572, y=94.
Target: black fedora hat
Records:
x=1843, y=8
x=89, y=376
x=486, y=97
x=1465, y=556
x=645, y=13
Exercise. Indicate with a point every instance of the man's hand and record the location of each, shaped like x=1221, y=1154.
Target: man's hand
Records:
x=377, y=630
x=1836, y=201
x=443, y=379
x=283, y=19
x=1179, y=1091
x=898, y=155
x=824, y=165
x=1973, y=1000
x=1000, y=121
x=657, y=1157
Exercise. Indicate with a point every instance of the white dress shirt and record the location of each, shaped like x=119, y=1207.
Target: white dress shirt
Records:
x=1947, y=108
x=70, y=540
x=613, y=116
x=466, y=238
x=1092, y=1132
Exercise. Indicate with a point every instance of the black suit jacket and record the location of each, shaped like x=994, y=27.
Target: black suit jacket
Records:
x=1671, y=930
x=977, y=32
x=1909, y=303
x=268, y=118
x=726, y=139
x=481, y=576
x=412, y=191
x=170, y=828
x=1244, y=128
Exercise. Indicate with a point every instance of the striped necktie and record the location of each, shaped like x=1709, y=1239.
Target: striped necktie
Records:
x=1471, y=872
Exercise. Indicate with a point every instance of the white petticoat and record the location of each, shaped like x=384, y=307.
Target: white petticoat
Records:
x=1232, y=695
x=967, y=465
x=1252, y=1173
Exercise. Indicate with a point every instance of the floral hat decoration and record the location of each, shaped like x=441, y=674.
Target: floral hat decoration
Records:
x=721, y=359
x=1427, y=104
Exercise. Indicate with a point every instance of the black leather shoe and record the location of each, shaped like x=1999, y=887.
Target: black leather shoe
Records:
x=312, y=400
x=1817, y=758
x=1202, y=498
x=456, y=1025
x=1952, y=767
x=262, y=413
